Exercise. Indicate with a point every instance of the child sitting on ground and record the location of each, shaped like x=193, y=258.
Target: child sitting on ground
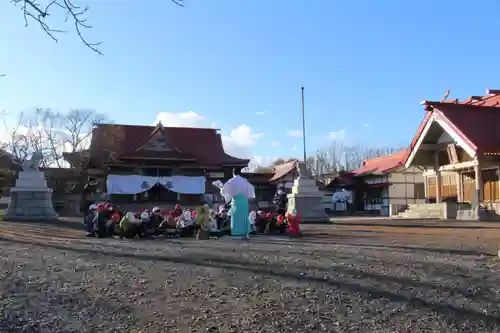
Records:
x=212, y=224
x=186, y=224
x=130, y=226
x=252, y=217
x=202, y=222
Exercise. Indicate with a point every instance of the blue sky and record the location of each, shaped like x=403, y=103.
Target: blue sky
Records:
x=365, y=65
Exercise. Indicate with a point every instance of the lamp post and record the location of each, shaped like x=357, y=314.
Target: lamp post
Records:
x=303, y=127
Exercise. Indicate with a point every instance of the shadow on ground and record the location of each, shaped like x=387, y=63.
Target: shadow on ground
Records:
x=344, y=279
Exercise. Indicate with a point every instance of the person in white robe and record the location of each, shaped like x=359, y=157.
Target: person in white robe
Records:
x=238, y=191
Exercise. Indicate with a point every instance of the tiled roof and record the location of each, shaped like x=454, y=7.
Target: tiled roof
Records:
x=382, y=164
x=476, y=125
x=475, y=117
x=343, y=179
x=282, y=170
x=492, y=98
x=202, y=144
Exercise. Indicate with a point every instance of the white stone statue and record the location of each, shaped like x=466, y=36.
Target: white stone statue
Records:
x=33, y=162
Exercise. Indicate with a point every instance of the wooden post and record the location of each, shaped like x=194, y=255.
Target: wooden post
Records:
x=426, y=188
x=498, y=180
x=438, y=177
x=479, y=185
x=459, y=187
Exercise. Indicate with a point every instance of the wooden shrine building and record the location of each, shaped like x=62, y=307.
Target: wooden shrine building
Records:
x=146, y=164
x=458, y=146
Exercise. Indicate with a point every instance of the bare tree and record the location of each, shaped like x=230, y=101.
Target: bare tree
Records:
x=338, y=156
x=22, y=139
x=61, y=133
x=77, y=15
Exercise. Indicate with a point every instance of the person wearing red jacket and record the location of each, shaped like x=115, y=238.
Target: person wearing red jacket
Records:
x=293, y=225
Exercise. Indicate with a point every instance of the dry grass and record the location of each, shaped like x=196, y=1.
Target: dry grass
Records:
x=352, y=276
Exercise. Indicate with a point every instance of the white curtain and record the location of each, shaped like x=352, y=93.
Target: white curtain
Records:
x=134, y=184
x=129, y=184
x=185, y=184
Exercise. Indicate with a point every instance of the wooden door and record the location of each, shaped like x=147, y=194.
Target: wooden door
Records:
x=491, y=192
x=431, y=188
x=448, y=186
x=469, y=187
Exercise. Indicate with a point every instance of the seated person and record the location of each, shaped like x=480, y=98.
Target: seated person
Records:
x=102, y=221
x=211, y=226
x=155, y=219
x=169, y=226
x=201, y=215
x=260, y=222
x=177, y=212
x=223, y=220
x=186, y=224
x=130, y=227
x=203, y=222
x=251, y=219
x=281, y=224
x=89, y=220
x=145, y=216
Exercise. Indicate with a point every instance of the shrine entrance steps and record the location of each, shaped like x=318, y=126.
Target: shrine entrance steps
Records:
x=423, y=211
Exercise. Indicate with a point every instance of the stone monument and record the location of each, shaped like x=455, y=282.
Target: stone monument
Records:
x=30, y=198
x=305, y=198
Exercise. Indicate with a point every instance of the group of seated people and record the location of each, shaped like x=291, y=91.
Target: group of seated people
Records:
x=106, y=220
x=269, y=223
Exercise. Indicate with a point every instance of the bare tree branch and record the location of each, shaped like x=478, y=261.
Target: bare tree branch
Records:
x=337, y=156
x=32, y=10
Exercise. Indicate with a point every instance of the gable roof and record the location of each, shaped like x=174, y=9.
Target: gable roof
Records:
x=343, y=179
x=476, y=125
x=382, y=164
x=282, y=170
x=202, y=144
x=474, y=120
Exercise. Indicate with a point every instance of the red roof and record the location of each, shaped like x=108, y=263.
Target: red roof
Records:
x=474, y=119
x=282, y=170
x=382, y=164
x=476, y=125
x=492, y=98
x=343, y=179
x=201, y=144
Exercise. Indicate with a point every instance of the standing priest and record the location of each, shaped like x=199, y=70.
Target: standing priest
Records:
x=238, y=191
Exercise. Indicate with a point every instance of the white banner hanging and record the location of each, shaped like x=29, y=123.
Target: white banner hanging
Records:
x=134, y=184
x=184, y=184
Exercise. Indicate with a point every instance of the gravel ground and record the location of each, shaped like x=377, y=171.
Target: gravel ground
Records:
x=352, y=276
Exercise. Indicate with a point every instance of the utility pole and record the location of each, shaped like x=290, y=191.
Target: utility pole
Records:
x=303, y=127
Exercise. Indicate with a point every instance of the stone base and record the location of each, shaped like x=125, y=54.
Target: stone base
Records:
x=473, y=215
x=309, y=208
x=305, y=186
x=30, y=206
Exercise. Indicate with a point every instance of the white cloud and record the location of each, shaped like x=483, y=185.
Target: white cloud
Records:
x=294, y=133
x=275, y=144
x=366, y=125
x=294, y=147
x=260, y=113
x=184, y=119
x=337, y=135
x=238, y=143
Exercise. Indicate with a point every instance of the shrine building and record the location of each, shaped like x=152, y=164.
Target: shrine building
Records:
x=458, y=146
x=156, y=164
